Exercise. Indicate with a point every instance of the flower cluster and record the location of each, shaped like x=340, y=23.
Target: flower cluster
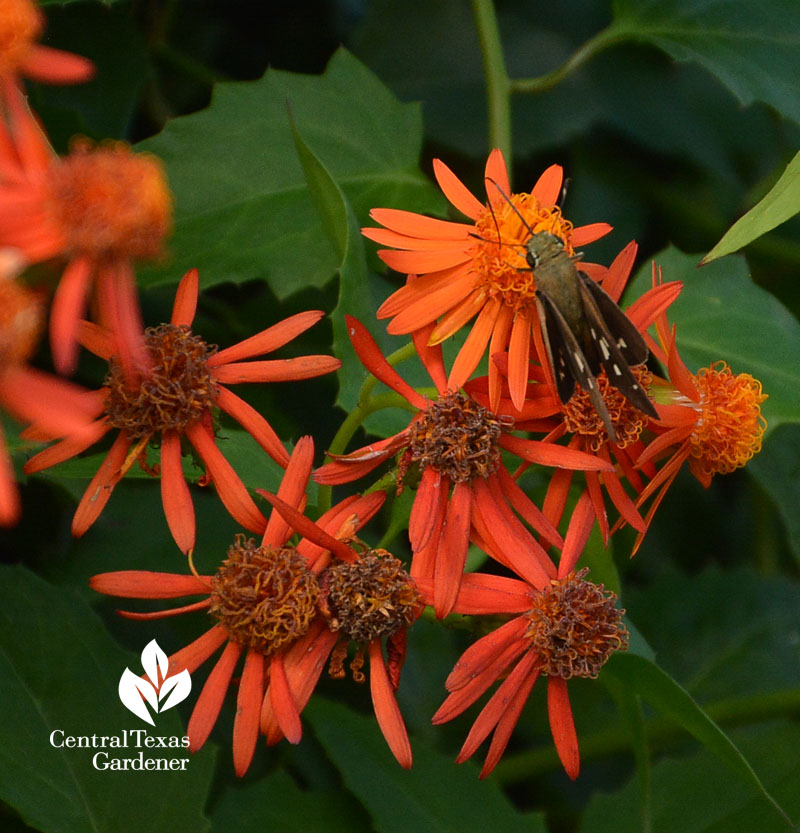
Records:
x=596, y=398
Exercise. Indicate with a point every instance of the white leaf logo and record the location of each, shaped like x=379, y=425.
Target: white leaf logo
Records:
x=156, y=689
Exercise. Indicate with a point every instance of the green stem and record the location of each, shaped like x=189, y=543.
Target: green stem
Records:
x=498, y=84
x=602, y=40
x=660, y=732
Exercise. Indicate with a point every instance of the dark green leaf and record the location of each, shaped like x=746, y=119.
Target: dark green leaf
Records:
x=671, y=700
x=59, y=674
x=754, y=49
x=781, y=203
x=243, y=209
x=421, y=799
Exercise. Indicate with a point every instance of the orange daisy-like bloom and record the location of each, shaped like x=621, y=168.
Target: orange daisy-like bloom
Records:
x=564, y=627
x=28, y=394
x=477, y=269
x=176, y=397
x=366, y=597
x=100, y=208
x=464, y=490
x=714, y=421
x=21, y=25
x=264, y=599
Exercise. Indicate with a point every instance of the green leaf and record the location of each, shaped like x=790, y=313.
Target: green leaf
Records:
x=434, y=796
x=722, y=315
x=277, y=803
x=753, y=48
x=696, y=794
x=341, y=226
x=781, y=203
x=777, y=469
x=671, y=700
x=243, y=209
x=59, y=672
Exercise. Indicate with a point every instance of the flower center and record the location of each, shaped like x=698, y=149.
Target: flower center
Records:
x=730, y=427
x=455, y=435
x=498, y=259
x=265, y=597
x=21, y=321
x=369, y=598
x=109, y=202
x=20, y=25
x=580, y=416
x=575, y=627
x=174, y=392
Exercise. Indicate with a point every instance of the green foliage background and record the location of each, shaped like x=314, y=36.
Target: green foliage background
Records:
x=672, y=120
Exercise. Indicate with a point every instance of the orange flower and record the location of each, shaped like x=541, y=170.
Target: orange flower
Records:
x=21, y=24
x=27, y=394
x=176, y=397
x=711, y=418
x=100, y=208
x=365, y=597
x=477, y=269
x=564, y=627
x=264, y=598
x=464, y=490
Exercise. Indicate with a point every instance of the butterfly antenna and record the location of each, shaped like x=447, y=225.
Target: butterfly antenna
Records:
x=511, y=205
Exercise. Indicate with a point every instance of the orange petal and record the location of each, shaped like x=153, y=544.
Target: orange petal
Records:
x=231, y=490
x=436, y=303
x=209, y=703
x=563, y=726
x=418, y=287
x=196, y=653
x=283, y=705
x=308, y=529
x=485, y=594
x=255, y=425
x=375, y=362
x=185, y=304
x=421, y=263
x=426, y=504
x=101, y=486
x=418, y=225
x=498, y=704
x=95, y=338
x=580, y=525
x=386, y=709
x=452, y=551
x=385, y=237
x=175, y=495
x=619, y=271
x=143, y=584
x=527, y=508
x=248, y=711
x=474, y=346
x=276, y=370
x=268, y=340
x=431, y=356
x=455, y=191
x=496, y=171
x=482, y=655
x=548, y=187
x=55, y=66
x=499, y=343
x=423, y=561
x=64, y=450
x=519, y=352
x=292, y=490
x=551, y=454
x=69, y=301
x=458, y=316
x=582, y=235
x=10, y=506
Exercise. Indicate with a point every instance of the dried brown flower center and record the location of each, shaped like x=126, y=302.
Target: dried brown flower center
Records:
x=265, y=597
x=21, y=321
x=110, y=202
x=575, y=627
x=173, y=393
x=580, y=416
x=369, y=598
x=20, y=26
x=457, y=436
